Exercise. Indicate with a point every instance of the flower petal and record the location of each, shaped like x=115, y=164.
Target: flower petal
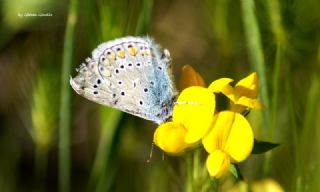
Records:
x=218, y=163
x=190, y=77
x=240, y=139
x=219, y=132
x=248, y=86
x=170, y=137
x=248, y=102
x=194, y=109
x=222, y=86
x=217, y=85
x=231, y=133
x=266, y=185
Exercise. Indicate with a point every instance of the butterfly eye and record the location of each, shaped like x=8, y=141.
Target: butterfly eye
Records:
x=141, y=102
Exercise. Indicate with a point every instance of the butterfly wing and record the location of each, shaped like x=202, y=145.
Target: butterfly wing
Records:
x=130, y=74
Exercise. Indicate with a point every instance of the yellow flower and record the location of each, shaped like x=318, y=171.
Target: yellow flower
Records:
x=170, y=137
x=266, y=185
x=192, y=115
x=194, y=109
x=243, y=95
x=192, y=118
x=230, y=140
x=218, y=163
x=227, y=136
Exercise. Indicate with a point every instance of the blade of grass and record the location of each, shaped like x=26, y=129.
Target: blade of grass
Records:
x=292, y=123
x=110, y=26
x=218, y=13
x=274, y=13
x=44, y=117
x=256, y=57
x=274, y=101
x=255, y=51
x=143, y=22
x=64, y=123
x=109, y=122
x=312, y=103
x=309, y=132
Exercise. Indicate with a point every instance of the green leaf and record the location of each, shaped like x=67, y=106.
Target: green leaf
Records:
x=263, y=146
x=235, y=171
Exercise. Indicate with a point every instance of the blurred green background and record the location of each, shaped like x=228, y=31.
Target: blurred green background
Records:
x=52, y=139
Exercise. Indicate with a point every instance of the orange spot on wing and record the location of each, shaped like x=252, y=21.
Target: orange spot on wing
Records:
x=132, y=51
x=122, y=54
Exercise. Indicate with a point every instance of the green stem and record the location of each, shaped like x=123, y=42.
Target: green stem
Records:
x=196, y=166
x=64, y=124
x=189, y=164
x=197, y=174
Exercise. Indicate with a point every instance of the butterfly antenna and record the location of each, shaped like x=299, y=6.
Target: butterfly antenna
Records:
x=150, y=155
x=187, y=103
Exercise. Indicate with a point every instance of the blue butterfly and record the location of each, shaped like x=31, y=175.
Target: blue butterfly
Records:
x=131, y=74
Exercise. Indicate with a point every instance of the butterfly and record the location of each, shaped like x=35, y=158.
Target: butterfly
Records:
x=131, y=74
